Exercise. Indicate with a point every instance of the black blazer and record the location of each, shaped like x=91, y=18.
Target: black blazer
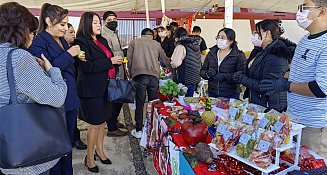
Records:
x=92, y=79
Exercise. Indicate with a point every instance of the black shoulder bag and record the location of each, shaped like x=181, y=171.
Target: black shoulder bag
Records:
x=121, y=91
x=30, y=133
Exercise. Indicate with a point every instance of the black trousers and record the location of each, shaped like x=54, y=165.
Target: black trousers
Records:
x=146, y=84
x=77, y=134
x=65, y=164
x=113, y=118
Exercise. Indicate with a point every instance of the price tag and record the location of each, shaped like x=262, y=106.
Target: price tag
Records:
x=221, y=128
x=245, y=138
x=248, y=119
x=232, y=112
x=227, y=135
x=263, y=146
x=278, y=126
x=263, y=122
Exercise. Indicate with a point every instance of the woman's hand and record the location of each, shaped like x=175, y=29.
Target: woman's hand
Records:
x=44, y=63
x=117, y=60
x=74, y=50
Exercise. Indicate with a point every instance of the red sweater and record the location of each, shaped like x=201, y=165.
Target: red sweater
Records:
x=112, y=71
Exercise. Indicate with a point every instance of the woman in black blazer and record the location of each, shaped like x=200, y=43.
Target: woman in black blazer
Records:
x=92, y=82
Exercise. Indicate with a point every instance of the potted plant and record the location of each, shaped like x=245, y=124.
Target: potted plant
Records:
x=169, y=90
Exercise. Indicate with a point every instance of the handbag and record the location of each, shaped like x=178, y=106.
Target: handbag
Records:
x=30, y=133
x=121, y=91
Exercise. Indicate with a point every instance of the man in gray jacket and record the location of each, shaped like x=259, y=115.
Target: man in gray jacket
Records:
x=109, y=32
x=143, y=63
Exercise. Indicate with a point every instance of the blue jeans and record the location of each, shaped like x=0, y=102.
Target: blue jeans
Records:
x=237, y=96
x=190, y=90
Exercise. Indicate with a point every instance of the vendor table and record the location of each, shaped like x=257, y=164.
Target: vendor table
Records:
x=161, y=139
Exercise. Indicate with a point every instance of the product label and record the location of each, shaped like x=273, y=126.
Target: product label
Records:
x=263, y=146
x=278, y=126
x=221, y=128
x=227, y=135
x=232, y=112
x=245, y=138
x=263, y=122
x=248, y=119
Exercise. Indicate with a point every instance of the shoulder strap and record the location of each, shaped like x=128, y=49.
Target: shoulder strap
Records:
x=10, y=77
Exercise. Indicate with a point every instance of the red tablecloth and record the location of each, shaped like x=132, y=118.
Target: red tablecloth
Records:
x=201, y=168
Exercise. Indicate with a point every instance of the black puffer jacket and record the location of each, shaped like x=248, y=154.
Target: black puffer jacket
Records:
x=168, y=46
x=275, y=58
x=189, y=72
x=233, y=62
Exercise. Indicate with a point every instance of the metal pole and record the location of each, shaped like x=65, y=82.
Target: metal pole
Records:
x=147, y=13
x=229, y=13
x=163, y=7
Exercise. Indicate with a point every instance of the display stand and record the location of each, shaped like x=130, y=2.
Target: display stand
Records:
x=295, y=131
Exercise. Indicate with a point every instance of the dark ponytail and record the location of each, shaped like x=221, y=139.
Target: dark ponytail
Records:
x=55, y=13
x=272, y=25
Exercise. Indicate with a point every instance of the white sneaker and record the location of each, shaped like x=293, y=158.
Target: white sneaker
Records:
x=137, y=134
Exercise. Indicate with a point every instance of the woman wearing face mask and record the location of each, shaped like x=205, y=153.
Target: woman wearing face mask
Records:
x=162, y=33
x=221, y=62
x=169, y=45
x=163, y=40
x=51, y=43
x=270, y=58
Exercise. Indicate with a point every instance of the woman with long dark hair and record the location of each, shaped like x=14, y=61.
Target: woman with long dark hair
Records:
x=92, y=82
x=271, y=57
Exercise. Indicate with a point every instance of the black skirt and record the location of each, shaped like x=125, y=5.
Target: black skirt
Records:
x=95, y=110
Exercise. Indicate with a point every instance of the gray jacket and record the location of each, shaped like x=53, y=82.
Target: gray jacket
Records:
x=115, y=46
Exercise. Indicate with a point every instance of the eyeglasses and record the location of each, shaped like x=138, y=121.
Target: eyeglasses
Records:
x=303, y=7
x=221, y=37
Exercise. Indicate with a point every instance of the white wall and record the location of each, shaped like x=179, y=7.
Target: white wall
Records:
x=74, y=21
x=292, y=31
x=210, y=28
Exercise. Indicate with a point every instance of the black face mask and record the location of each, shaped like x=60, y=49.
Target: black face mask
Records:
x=112, y=25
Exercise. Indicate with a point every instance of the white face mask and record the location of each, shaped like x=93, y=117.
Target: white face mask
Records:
x=256, y=41
x=222, y=43
x=162, y=34
x=302, y=18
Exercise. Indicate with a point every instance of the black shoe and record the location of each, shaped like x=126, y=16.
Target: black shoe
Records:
x=80, y=145
x=93, y=169
x=97, y=157
x=120, y=125
x=117, y=133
